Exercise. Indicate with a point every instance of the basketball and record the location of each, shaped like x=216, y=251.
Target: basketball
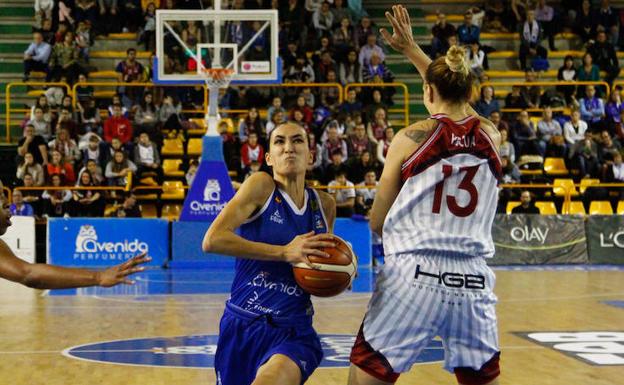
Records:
x=333, y=275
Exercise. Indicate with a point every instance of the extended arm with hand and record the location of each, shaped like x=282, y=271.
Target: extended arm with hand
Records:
x=43, y=276
x=402, y=40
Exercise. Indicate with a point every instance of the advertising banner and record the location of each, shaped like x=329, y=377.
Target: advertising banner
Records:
x=605, y=238
x=538, y=239
x=20, y=237
x=100, y=242
x=211, y=188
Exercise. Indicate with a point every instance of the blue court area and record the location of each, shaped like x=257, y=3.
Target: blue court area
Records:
x=187, y=281
x=619, y=304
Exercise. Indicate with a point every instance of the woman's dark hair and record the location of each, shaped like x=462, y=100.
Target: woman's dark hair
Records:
x=117, y=167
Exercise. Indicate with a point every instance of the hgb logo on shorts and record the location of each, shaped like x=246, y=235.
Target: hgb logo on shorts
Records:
x=456, y=280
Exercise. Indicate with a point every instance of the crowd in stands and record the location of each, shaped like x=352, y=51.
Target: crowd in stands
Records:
x=96, y=142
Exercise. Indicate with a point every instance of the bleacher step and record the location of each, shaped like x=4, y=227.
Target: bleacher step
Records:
x=16, y=11
x=6, y=28
x=12, y=47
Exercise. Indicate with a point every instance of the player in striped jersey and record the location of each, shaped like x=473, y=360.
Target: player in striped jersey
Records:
x=435, y=205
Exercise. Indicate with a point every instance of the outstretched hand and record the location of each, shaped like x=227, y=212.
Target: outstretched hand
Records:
x=401, y=38
x=119, y=273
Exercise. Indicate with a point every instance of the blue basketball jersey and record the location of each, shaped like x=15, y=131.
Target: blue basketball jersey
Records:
x=269, y=287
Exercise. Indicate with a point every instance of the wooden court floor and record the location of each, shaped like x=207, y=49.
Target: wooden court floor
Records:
x=35, y=329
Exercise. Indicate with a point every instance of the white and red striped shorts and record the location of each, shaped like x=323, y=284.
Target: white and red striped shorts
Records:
x=419, y=297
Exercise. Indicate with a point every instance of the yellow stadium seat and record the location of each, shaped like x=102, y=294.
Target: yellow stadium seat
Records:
x=35, y=93
x=560, y=186
x=585, y=183
x=531, y=172
x=600, y=208
x=546, y=208
x=199, y=126
x=148, y=211
x=171, y=212
x=620, y=208
x=576, y=208
x=171, y=167
x=535, y=120
x=110, y=209
x=511, y=205
x=555, y=166
x=172, y=189
x=104, y=94
x=103, y=74
x=172, y=147
x=194, y=146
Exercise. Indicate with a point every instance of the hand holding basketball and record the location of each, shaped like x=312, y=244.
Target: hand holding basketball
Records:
x=331, y=275
x=304, y=245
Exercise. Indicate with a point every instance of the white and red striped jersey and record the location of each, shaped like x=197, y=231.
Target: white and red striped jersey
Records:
x=449, y=194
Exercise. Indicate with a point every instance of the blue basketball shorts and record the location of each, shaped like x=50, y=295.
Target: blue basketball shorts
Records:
x=248, y=340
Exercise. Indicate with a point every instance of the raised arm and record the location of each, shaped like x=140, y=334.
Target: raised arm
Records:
x=402, y=40
x=250, y=198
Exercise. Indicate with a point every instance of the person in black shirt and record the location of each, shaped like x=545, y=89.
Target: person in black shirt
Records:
x=441, y=31
x=604, y=56
x=129, y=209
x=34, y=144
x=527, y=206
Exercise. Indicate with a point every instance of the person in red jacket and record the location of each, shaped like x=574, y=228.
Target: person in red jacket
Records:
x=118, y=126
x=58, y=166
x=251, y=151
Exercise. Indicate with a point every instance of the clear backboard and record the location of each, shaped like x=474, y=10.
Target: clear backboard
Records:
x=188, y=42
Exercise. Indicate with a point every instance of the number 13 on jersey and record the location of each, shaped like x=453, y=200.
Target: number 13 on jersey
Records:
x=466, y=184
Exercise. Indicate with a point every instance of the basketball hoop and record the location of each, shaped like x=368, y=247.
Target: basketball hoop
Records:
x=217, y=77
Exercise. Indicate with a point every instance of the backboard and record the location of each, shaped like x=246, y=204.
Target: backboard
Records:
x=242, y=40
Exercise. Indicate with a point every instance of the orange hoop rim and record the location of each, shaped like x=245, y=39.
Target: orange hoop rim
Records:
x=218, y=72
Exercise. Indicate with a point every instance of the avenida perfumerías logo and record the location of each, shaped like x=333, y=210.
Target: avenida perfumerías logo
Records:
x=87, y=242
x=212, y=191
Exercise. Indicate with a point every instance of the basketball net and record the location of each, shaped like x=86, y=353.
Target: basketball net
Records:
x=215, y=79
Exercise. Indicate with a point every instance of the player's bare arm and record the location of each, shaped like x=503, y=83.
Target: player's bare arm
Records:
x=405, y=143
x=43, y=276
x=402, y=40
x=329, y=208
x=252, y=195
x=490, y=129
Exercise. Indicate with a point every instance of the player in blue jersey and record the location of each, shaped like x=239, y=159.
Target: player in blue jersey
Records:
x=266, y=334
